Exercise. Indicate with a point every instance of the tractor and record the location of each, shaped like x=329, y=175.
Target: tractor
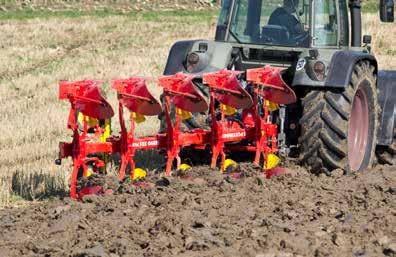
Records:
x=344, y=115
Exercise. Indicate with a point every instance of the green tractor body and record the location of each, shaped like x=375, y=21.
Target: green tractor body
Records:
x=346, y=104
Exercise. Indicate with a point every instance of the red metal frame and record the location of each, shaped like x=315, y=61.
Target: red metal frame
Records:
x=225, y=88
x=179, y=90
x=134, y=95
x=270, y=85
x=84, y=97
x=266, y=132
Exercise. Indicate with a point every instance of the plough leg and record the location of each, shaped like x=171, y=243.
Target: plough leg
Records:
x=73, y=182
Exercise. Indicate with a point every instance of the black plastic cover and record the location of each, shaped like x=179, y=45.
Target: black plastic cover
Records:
x=177, y=54
x=342, y=65
x=386, y=84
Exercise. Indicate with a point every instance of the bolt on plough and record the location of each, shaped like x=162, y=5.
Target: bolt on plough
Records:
x=241, y=111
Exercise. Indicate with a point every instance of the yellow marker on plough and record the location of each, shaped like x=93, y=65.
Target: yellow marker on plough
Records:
x=184, y=115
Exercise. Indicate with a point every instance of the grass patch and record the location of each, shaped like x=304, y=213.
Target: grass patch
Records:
x=391, y=52
x=370, y=6
x=37, y=186
x=14, y=198
x=27, y=14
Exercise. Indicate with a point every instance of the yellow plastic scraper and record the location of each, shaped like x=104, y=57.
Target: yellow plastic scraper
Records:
x=139, y=174
x=272, y=161
x=106, y=131
x=91, y=122
x=184, y=167
x=230, y=165
x=137, y=117
x=89, y=172
x=228, y=110
x=185, y=115
x=271, y=106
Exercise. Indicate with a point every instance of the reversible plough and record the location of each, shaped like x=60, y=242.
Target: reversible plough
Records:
x=253, y=96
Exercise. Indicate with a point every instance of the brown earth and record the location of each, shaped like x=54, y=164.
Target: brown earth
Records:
x=298, y=214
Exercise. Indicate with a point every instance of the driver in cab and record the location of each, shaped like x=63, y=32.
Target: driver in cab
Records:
x=287, y=17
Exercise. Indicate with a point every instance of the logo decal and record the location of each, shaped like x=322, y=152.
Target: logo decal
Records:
x=301, y=64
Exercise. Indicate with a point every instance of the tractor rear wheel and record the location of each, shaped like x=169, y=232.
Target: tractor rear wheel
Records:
x=339, y=128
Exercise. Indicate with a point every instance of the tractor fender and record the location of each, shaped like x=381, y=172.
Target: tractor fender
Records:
x=386, y=84
x=342, y=64
x=213, y=56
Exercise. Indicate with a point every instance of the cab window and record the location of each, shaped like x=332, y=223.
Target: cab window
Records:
x=271, y=22
x=325, y=31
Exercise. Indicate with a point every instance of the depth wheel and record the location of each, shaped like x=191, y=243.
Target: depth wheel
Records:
x=339, y=129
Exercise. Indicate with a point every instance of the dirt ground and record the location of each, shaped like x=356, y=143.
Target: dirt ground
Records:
x=212, y=215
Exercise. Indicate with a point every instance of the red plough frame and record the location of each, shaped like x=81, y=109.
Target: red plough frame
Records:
x=255, y=127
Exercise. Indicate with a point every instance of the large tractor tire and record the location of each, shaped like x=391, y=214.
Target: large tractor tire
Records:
x=339, y=128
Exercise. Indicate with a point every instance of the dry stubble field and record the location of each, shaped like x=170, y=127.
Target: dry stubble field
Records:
x=36, y=53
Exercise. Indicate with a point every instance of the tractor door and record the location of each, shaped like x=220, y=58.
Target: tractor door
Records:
x=330, y=23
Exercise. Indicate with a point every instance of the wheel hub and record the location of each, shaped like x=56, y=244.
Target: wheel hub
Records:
x=358, y=130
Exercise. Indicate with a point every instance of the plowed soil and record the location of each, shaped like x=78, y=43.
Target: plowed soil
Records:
x=207, y=214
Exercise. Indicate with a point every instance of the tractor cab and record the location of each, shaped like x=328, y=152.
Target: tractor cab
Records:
x=290, y=23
